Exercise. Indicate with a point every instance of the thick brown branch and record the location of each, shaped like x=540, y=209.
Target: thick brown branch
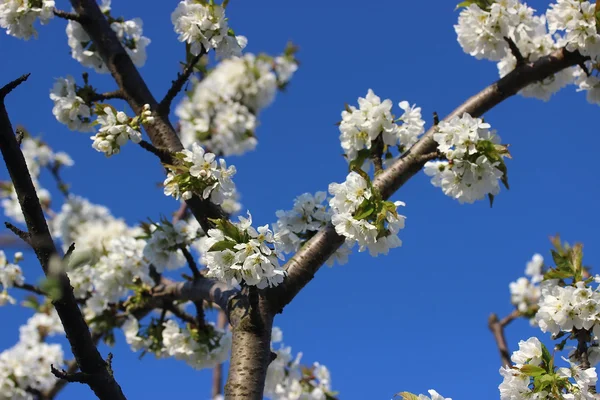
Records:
x=76, y=329
x=306, y=262
x=164, y=107
x=130, y=82
x=205, y=289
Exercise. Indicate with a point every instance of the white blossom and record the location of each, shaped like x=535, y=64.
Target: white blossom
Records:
x=251, y=256
x=204, y=26
x=69, y=108
x=18, y=16
x=116, y=129
x=128, y=32
x=163, y=249
x=10, y=275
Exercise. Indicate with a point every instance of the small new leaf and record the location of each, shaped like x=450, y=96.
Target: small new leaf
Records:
x=532, y=370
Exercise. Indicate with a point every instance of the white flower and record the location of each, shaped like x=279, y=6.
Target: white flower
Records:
x=128, y=32
x=115, y=130
x=180, y=344
x=69, y=108
x=348, y=197
x=253, y=260
x=131, y=329
x=163, y=249
x=18, y=16
x=203, y=175
x=470, y=175
x=221, y=110
x=530, y=352
x=201, y=25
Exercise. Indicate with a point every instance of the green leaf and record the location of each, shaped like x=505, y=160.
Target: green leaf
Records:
x=360, y=159
x=222, y=245
x=556, y=274
x=407, y=396
x=52, y=287
x=31, y=302
x=364, y=212
x=229, y=229
x=532, y=370
x=547, y=358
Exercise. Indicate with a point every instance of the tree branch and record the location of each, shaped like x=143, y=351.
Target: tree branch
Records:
x=130, y=82
x=217, y=378
x=67, y=15
x=76, y=329
x=164, y=107
x=497, y=328
x=115, y=94
x=307, y=261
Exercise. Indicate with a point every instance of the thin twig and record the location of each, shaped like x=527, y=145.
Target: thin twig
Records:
x=191, y=262
x=164, y=155
x=164, y=107
x=20, y=233
x=514, y=49
x=30, y=288
x=116, y=94
x=62, y=186
x=180, y=213
x=68, y=15
x=497, y=330
x=6, y=89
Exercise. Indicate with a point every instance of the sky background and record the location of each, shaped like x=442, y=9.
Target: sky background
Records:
x=411, y=321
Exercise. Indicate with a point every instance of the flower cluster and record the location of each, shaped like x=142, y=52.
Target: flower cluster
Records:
x=37, y=155
x=116, y=128
x=237, y=253
x=294, y=227
x=25, y=367
x=128, y=32
x=198, y=172
x=578, y=21
x=363, y=217
x=199, y=348
x=475, y=160
x=18, y=16
x=75, y=212
x=525, y=292
x=69, y=108
x=203, y=25
x=360, y=127
x=221, y=110
x=534, y=376
x=163, y=248
x=288, y=379
x=10, y=275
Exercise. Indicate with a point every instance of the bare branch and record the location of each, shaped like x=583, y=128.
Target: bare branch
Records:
x=164, y=107
x=76, y=329
x=307, y=261
x=192, y=264
x=217, y=378
x=20, y=233
x=497, y=329
x=115, y=94
x=514, y=49
x=67, y=15
x=6, y=89
x=30, y=288
x=130, y=82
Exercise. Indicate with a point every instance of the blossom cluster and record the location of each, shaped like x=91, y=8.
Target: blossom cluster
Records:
x=237, y=253
x=129, y=33
x=361, y=216
x=474, y=163
x=288, y=379
x=163, y=247
x=18, y=16
x=202, y=25
x=294, y=227
x=534, y=376
x=485, y=27
x=25, y=367
x=220, y=112
x=37, y=155
x=116, y=128
x=360, y=127
x=10, y=275
x=198, y=172
x=70, y=108
x=525, y=292
x=199, y=348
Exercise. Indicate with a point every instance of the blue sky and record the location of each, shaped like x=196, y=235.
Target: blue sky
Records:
x=411, y=321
